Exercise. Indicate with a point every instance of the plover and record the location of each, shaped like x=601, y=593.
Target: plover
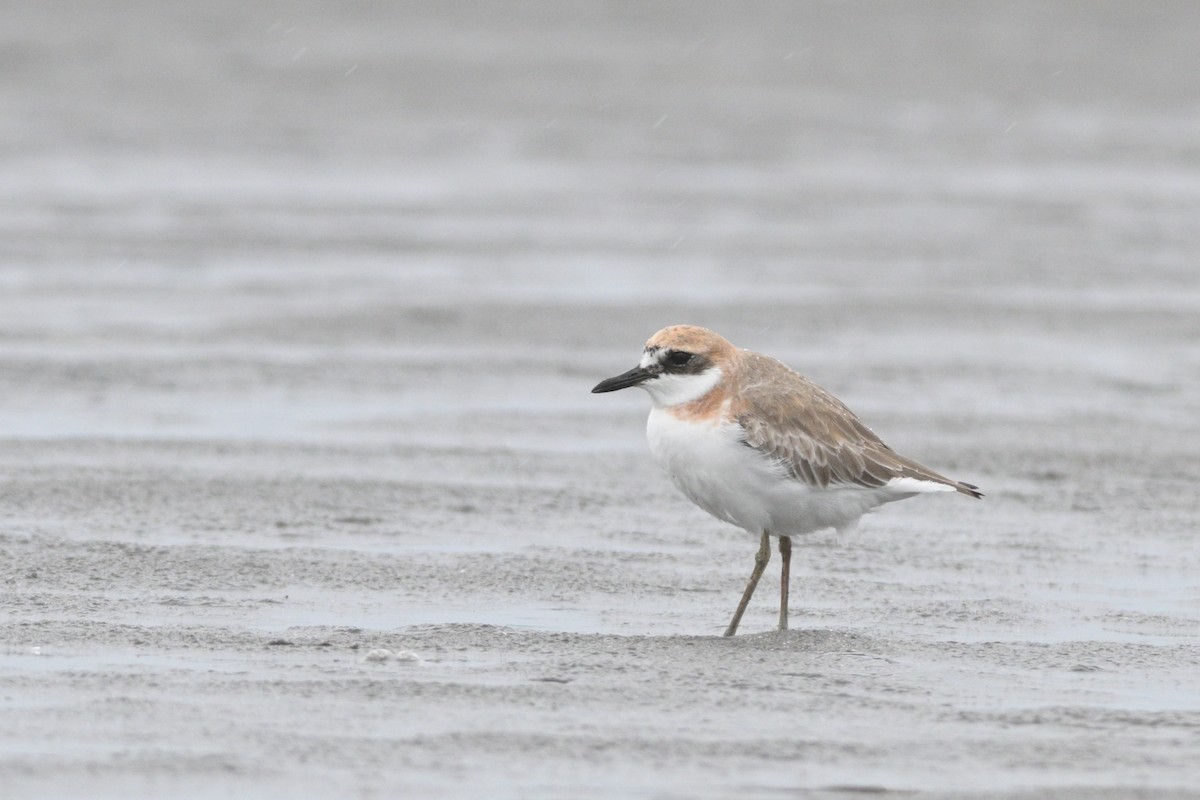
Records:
x=758, y=445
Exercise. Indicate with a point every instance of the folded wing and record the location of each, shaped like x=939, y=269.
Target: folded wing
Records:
x=817, y=439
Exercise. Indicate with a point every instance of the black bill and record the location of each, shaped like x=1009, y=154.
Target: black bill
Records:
x=624, y=380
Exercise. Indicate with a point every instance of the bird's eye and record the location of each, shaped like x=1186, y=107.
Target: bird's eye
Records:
x=678, y=358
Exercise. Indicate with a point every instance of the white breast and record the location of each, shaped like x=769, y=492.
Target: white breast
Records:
x=708, y=462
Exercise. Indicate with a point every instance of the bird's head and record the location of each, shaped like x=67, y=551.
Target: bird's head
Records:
x=680, y=364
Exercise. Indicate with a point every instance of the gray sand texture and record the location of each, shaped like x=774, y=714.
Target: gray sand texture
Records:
x=303, y=492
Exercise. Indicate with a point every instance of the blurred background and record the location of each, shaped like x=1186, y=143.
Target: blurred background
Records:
x=278, y=218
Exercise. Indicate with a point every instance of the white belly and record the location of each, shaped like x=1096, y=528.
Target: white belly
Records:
x=737, y=484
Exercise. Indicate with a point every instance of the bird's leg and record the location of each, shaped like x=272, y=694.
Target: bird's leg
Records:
x=785, y=552
x=760, y=563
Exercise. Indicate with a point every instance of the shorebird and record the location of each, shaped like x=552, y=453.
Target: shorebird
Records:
x=758, y=445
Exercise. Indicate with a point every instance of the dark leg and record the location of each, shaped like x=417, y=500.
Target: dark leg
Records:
x=785, y=551
x=760, y=563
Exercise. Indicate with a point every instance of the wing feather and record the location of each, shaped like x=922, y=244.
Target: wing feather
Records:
x=814, y=436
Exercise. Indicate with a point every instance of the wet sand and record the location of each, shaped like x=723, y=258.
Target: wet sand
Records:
x=303, y=492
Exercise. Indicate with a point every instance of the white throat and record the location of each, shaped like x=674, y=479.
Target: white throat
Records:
x=672, y=390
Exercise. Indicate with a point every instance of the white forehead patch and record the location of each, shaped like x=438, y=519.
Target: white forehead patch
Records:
x=650, y=357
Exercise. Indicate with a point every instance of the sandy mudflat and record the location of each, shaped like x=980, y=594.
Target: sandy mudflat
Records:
x=303, y=494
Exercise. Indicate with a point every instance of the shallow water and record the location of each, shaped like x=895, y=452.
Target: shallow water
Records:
x=299, y=311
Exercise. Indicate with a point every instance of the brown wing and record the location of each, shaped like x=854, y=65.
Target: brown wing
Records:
x=814, y=435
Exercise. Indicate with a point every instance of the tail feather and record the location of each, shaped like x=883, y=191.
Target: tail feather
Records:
x=969, y=489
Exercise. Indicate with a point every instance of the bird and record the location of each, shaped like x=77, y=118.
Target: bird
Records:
x=760, y=446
